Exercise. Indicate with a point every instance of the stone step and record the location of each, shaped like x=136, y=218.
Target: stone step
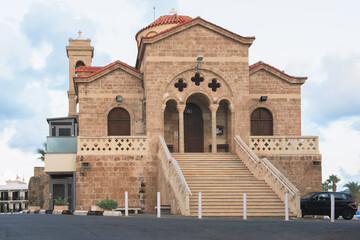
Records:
x=222, y=179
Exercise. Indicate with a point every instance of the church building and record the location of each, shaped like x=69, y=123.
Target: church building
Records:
x=191, y=116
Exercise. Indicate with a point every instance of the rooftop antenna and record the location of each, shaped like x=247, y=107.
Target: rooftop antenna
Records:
x=154, y=12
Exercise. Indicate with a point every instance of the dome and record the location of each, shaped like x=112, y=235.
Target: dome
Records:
x=161, y=24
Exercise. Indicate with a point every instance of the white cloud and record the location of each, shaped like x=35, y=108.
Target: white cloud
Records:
x=39, y=55
x=15, y=161
x=339, y=145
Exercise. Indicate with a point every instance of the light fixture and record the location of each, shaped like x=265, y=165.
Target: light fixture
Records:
x=263, y=98
x=119, y=99
x=198, y=61
x=215, y=101
x=182, y=102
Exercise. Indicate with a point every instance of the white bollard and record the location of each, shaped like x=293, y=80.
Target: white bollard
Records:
x=286, y=207
x=244, y=206
x=158, y=205
x=332, y=208
x=126, y=204
x=200, y=213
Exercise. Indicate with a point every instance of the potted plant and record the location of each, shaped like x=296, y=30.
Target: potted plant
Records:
x=61, y=204
x=106, y=204
x=34, y=206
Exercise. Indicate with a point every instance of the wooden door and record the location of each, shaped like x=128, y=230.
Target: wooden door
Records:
x=193, y=129
x=118, y=122
x=261, y=122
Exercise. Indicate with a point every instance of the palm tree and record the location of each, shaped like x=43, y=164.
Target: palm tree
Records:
x=326, y=185
x=42, y=152
x=334, y=180
x=354, y=189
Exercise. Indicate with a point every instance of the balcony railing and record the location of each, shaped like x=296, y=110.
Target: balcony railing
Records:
x=284, y=144
x=61, y=145
x=126, y=145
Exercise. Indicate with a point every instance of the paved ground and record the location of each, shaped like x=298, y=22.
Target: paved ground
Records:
x=143, y=226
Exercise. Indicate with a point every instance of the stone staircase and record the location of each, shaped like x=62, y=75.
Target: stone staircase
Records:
x=222, y=179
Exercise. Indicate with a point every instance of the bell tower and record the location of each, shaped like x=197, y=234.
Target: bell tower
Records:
x=80, y=53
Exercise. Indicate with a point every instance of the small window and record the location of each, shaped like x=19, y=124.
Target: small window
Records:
x=64, y=132
x=79, y=64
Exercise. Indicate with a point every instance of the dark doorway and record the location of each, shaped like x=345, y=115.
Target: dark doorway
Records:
x=118, y=122
x=261, y=122
x=61, y=186
x=193, y=128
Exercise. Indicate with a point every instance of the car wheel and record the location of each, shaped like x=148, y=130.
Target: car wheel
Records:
x=347, y=214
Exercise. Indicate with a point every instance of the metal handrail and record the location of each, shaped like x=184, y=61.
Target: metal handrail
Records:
x=173, y=160
x=246, y=151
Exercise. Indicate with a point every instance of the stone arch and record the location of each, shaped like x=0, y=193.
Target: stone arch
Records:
x=199, y=92
x=170, y=118
x=170, y=81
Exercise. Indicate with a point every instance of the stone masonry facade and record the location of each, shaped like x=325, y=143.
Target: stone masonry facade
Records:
x=228, y=89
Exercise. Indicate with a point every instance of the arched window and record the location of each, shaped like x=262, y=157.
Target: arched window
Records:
x=118, y=122
x=79, y=64
x=261, y=122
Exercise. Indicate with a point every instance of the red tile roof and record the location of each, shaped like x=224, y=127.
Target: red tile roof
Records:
x=94, y=70
x=255, y=65
x=167, y=19
x=191, y=19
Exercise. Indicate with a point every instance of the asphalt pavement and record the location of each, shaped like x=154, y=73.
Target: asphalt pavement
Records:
x=148, y=226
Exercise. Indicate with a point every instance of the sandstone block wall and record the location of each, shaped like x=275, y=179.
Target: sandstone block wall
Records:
x=97, y=99
x=284, y=101
x=165, y=60
x=299, y=169
x=109, y=176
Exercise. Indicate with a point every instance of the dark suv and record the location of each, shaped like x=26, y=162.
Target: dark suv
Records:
x=318, y=203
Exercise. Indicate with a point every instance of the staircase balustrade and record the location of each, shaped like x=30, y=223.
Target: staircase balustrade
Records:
x=284, y=144
x=112, y=145
x=264, y=169
x=175, y=177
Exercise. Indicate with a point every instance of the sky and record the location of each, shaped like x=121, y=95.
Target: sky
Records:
x=318, y=39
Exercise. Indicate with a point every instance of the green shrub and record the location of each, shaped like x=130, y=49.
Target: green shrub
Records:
x=61, y=201
x=35, y=204
x=107, y=203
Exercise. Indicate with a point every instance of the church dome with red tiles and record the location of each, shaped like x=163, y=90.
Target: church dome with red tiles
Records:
x=161, y=24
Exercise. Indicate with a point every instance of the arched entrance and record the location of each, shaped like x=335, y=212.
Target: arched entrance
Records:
x=193, y=128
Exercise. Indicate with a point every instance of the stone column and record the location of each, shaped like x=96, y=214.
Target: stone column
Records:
x=22, y=195
x=10, y=195
x=181, y=108
x=232, y=128
x=213, y=108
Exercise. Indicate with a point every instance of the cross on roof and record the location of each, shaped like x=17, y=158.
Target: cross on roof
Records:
x=173, y=11
x=79, y=37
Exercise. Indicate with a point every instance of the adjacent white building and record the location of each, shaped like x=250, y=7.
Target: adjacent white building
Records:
x=13, y=196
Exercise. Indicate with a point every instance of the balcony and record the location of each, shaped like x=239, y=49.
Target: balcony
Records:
x=276, y=145
x=61, y=145
x=126, y=145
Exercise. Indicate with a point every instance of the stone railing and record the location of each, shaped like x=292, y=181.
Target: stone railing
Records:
x=175, y=177
x=284, y=145
x=264, y=169
x=113, y=145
